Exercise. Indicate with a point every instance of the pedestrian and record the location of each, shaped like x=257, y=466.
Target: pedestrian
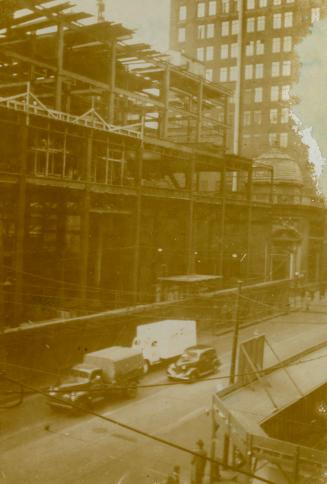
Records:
x=173, y=478
x=322, y=289
x=199, y=461
x=307, y=300
x=312, y=293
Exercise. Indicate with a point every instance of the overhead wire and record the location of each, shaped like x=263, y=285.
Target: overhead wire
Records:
x=145, y=434
x=263, y=372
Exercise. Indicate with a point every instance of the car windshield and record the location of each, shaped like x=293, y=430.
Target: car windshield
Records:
x=189, y=355
x=77, y=374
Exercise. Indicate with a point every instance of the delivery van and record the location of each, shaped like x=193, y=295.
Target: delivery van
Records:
x=163, y=340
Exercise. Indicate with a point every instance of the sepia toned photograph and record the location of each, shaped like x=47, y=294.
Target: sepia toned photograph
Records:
x=163, y=241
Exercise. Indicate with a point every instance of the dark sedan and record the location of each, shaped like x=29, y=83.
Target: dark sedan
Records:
x=195, y=362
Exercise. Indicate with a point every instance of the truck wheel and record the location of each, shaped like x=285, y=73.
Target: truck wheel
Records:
x=131, y=391
x=86, y=405
x=146, y=367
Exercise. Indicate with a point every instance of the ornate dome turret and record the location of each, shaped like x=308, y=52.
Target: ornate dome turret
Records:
x=285, y=169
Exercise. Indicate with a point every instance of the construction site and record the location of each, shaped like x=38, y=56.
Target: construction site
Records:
x=116, y=178
x=123, y=204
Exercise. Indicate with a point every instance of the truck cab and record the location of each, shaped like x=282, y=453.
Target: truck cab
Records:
x=83, y=386
x=105, y=373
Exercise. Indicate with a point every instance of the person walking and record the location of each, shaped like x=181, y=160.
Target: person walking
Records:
x=322, y=290
x=174, y=477
x=199, y=461
x=307, y=300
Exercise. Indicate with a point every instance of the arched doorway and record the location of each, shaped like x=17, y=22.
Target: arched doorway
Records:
x=285, y=251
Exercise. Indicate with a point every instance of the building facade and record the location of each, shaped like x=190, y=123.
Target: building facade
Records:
x=105, y=158
x=250, y=46
x=256, y=40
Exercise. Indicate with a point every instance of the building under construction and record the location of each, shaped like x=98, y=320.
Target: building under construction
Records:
x=113, y=170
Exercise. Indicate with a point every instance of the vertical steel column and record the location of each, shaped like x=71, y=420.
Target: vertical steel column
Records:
x=138, y=218
x=112, y=82
x=164, y=125
x=235, y=335
x=225, y=147
x=3, y=352
x=223, y=218
x=60, y=245
x=249, y=222
x=20, y=223
x=2, y=280
x=191, y=221
x=199, y=117
x=60, y=65
x=99, y=253
x=237, y=141
x=85, y=218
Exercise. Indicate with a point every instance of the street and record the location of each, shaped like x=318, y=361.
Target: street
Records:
x=55, y=447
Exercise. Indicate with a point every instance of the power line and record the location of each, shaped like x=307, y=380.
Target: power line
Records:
x=143, y=433
x=263, y=372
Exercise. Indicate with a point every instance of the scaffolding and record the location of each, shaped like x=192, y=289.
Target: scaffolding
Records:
x=121, y=159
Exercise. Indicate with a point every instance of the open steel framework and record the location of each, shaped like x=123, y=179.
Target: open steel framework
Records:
x=113, y=169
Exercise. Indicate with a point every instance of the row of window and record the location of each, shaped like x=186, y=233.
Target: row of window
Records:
x=277, y=93
x=252, y=48
x=257, y=24
x=255, y=71
x=251, y=4
x=278, y=139
x=275, y=116
x=205, y=9
x=274, y=139
x=279, y=44
x=210, y=8
x=252, y=71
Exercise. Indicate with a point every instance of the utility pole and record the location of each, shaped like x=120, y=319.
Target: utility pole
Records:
x=214, y=466
x=236, y=333
x=2, y=302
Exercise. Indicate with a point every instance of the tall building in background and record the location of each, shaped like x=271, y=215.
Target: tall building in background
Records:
x=253, y=39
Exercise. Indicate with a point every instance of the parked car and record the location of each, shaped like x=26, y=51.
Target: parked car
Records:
x=163, y=340
x=113, y=371
x=195, y=362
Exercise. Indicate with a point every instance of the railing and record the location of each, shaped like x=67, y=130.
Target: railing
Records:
x=299, y=460
x=279, y=199
x=31, y=105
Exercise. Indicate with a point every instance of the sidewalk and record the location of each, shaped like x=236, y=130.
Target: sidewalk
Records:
x=310, y=329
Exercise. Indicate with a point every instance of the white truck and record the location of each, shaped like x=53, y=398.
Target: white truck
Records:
x=164, y=340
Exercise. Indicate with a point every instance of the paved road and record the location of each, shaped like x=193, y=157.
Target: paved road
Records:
x=88, y=450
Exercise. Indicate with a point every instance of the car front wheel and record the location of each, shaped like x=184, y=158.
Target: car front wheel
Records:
x=194, y=377
x=216, y=367
x=146, y=367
